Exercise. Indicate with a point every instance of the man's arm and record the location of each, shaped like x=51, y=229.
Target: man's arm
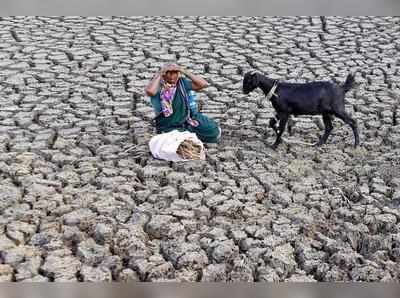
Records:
x=198, y=82
x=152, y=87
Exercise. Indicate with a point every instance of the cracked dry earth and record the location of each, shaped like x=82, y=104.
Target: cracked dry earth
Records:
x=75, y=205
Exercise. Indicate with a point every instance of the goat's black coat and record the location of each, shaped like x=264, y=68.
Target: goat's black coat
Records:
x=314, y=98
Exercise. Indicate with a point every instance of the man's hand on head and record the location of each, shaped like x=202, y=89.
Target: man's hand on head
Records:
x=171, y=67
x=183, y=70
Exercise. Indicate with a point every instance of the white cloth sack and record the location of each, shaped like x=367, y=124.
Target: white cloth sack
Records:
x=164, y=146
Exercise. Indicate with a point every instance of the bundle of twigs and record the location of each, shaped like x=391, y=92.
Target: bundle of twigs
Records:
x=189, y=150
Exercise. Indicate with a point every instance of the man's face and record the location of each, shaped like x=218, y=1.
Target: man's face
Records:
x=171, y=77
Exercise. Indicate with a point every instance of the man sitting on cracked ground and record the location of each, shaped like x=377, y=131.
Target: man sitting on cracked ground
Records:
x=170, y=92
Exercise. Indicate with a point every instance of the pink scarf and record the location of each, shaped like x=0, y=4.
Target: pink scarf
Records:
x=167, y=96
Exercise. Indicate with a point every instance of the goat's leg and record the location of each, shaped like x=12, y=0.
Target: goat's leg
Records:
x=273, y=125
x=328, y=129
x=353, y=124
x=290, y=126
x=282, y=124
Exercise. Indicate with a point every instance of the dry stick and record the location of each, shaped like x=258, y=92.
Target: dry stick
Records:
x=342, y=195
x=134, y=148
x=187, y=154
x=135, y=152
x=189, y=150
x=130, y=148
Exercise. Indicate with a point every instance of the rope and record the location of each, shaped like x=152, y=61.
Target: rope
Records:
x=236, y=127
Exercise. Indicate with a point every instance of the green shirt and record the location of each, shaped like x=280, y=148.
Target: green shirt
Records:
x=179, y=107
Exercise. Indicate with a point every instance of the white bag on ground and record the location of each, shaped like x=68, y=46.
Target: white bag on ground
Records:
x=165, y=145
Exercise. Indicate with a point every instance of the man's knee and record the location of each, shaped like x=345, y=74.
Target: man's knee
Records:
x=216, y=136
x=219, y=133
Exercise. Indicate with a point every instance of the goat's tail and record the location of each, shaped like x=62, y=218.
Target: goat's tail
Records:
x=348, y=84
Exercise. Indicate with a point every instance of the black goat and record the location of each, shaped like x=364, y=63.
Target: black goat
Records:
x=314, y=98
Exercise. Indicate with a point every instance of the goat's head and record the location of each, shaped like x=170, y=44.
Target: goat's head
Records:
x=250, y=81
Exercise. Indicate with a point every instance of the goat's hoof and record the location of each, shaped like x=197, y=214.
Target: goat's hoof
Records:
x=274, y=147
